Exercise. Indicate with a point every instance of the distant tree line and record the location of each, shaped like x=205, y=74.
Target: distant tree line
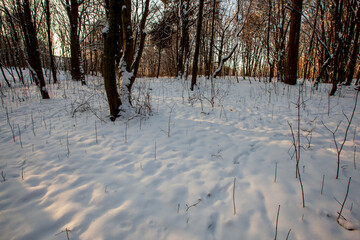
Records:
x=272, y=39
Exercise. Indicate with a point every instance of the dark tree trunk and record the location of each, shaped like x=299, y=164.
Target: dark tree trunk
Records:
x=184, y=37
x=130, y=60
x=293, y=43
x=110, y=49
x=159, y=62
x=127, y=76
x=3, y=73
x=311, y=40
x=338, y=45
x=140, y=48
x=197, y=45
x=48, y=23
x=355, y=51
x=270, y=62
x=77, y=72
x=210, y=60
x=119, y=35
x=32, y=46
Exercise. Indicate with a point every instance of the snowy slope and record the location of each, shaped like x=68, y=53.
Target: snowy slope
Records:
x=79, y=176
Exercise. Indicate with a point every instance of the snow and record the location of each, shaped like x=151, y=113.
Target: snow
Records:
x=106, y=29
x=80, y=174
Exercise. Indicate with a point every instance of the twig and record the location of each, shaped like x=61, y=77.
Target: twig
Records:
x=342, y=205
x=155, y=151
x=297, y=155
x=234, y=197
x=354, y=156
x=67, y=233
x=126, y=127
x=20, y=136
x=275, y=172
x=339, y=149
x=322, y=184
x=277, y=220
x=67, y=144
x=96, y=135
x=11, y=126
x=3, y=175
x=171, y=109
x=288, y=234
x=193, y=205
x=33, y=127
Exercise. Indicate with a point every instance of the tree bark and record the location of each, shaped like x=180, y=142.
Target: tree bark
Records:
x=130, y=60
x=293, y=43
x=184, y=38
x=270, y=62
x=338, y=45
x=159, y=62
x=111, y=37
x=32, y=46
x=48, y=23
x=211, y=50
x=355, y=51
x=77, y=72
x=197, y=45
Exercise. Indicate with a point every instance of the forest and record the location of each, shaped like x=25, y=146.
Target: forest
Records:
x=282, y=40
x=179, y=119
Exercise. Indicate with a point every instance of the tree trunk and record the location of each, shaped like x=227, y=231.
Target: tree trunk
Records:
x=77, y=72
x=210, y=60
x=271, y=64
x=159, y=62
x=338, y=45
x=293, y=43
x=197, y=45
x=130, y=61
x=48, y=23
x=109, y=72
x=355, y=51
x=3, y=73
x=184, y=41
x=32, y=46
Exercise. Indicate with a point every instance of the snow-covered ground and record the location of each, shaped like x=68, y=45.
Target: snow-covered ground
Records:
x=186, y=171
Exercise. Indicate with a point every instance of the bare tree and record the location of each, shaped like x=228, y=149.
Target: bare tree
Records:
x=238, y=31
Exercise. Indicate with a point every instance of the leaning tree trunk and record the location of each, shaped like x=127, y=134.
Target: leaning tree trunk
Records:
x=32, y=47
x=293, y=43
